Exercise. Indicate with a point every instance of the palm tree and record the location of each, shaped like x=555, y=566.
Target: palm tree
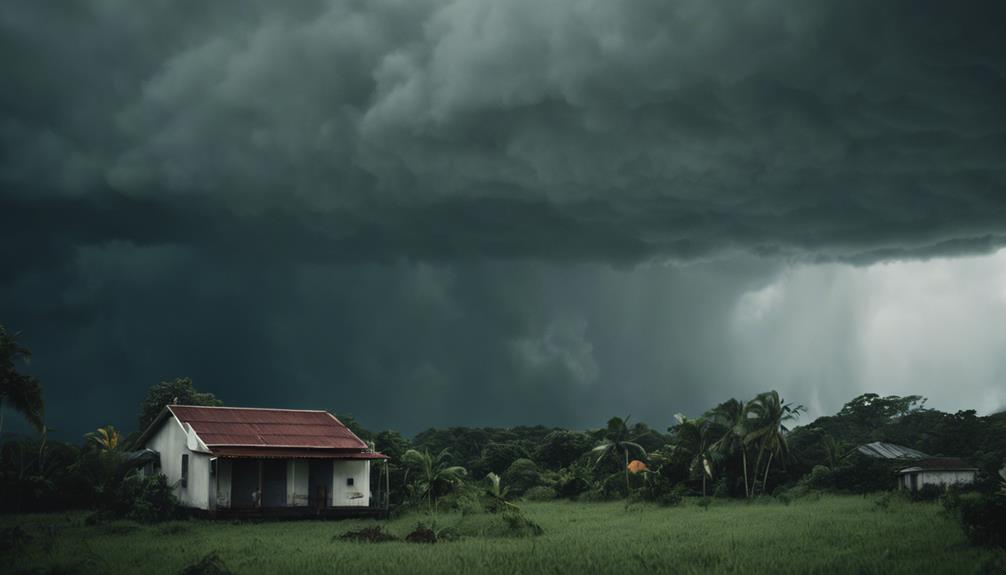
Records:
x=766, y=417
x=617, y=442
x=498, y=495
x=693, y=438
x=106, y=438
x=433, y=472
x=20, y=391
x=832, y=450
x=729, y=417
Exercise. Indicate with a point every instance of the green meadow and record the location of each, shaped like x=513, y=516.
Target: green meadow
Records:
x=827, y=534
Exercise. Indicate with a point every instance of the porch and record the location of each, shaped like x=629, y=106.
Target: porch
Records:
x=303, y=487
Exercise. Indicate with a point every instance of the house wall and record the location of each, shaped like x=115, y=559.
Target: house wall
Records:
x=945, y=477
x=357, y=495
x=934, y=477
x=296, y=482
x=170, y=442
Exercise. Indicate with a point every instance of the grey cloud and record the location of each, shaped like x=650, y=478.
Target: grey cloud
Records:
x=831, y=131
x=467, y=207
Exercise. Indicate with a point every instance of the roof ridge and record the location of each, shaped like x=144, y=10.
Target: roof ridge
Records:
x=254, y=408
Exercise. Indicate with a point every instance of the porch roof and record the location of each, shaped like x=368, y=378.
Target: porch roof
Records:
x=229, y=452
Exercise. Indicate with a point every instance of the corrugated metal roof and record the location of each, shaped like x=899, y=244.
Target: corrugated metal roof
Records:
x=292, y=452
x=881, y=450
x=253, y=427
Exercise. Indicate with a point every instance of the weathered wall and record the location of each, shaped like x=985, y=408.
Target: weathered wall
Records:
x=170, y=442
x=945, y=477
x=357, y=495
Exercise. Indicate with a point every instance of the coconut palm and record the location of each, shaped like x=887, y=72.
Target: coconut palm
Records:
x=497, y=495
x=21, y=392
x=832, y=450
x=617, y=444
x=432, y=473
x=106, y=438
x=693, y=439
x=766, y=417
x=729, y=419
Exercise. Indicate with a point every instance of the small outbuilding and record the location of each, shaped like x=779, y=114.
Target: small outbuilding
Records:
x=939, y=471
x=232, y=461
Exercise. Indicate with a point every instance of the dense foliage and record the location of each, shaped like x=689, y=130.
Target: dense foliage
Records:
x=739, y=449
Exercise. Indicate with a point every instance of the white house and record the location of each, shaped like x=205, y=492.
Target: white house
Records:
x=246, y=461
x=940, y=471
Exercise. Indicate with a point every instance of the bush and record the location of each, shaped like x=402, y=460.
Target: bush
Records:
x=928, y=492
x=540, y=493
x=522, y=475
x=572, y=481
x=146, y=499
x=13, y=539
x=421, y=534
x=515, y=524
x=983, y=518
x=211, y=564
x=722, y=490
x=820, y=477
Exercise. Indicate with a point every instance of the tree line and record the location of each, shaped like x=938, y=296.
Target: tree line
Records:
x=738, y=448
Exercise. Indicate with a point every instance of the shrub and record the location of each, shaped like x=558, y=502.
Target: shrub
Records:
x=928, y=492
x=421, y=534
x=516, y=524
x=722, y=490
x=147, y=499
x=13, y=539
x=983, y=518
x=540, y=493
x=572, y=481
x=820, y=477
x=522, y=475
x=211, y=564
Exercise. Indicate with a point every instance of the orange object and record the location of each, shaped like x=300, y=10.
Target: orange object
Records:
x=636, y=466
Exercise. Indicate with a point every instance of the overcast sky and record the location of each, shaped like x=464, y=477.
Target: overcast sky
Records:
x=473, y=212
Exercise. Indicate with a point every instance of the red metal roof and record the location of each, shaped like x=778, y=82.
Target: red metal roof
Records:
x=271, y=428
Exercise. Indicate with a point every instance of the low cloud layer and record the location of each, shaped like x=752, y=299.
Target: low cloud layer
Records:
x=495, y=212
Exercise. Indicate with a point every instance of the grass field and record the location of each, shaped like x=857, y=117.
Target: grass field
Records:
x=832, y=534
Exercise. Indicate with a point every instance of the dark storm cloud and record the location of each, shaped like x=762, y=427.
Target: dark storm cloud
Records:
x=409, y=209
x=578, y=129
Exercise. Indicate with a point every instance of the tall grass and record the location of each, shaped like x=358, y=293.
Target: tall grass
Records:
x=832, y=534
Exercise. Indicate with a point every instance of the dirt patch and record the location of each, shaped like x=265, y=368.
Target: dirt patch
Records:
x=368, y=535
x=422, y=534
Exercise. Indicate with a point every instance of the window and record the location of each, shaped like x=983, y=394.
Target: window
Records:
x=185, y=470
x=349, y=481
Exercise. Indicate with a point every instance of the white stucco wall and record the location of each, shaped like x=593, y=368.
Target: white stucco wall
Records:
x=934, y=477
x=946, y=477
x=359, y=494
x=296, y=482
x=171, y=442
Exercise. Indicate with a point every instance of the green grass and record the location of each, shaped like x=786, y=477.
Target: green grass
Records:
x=832, y=534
